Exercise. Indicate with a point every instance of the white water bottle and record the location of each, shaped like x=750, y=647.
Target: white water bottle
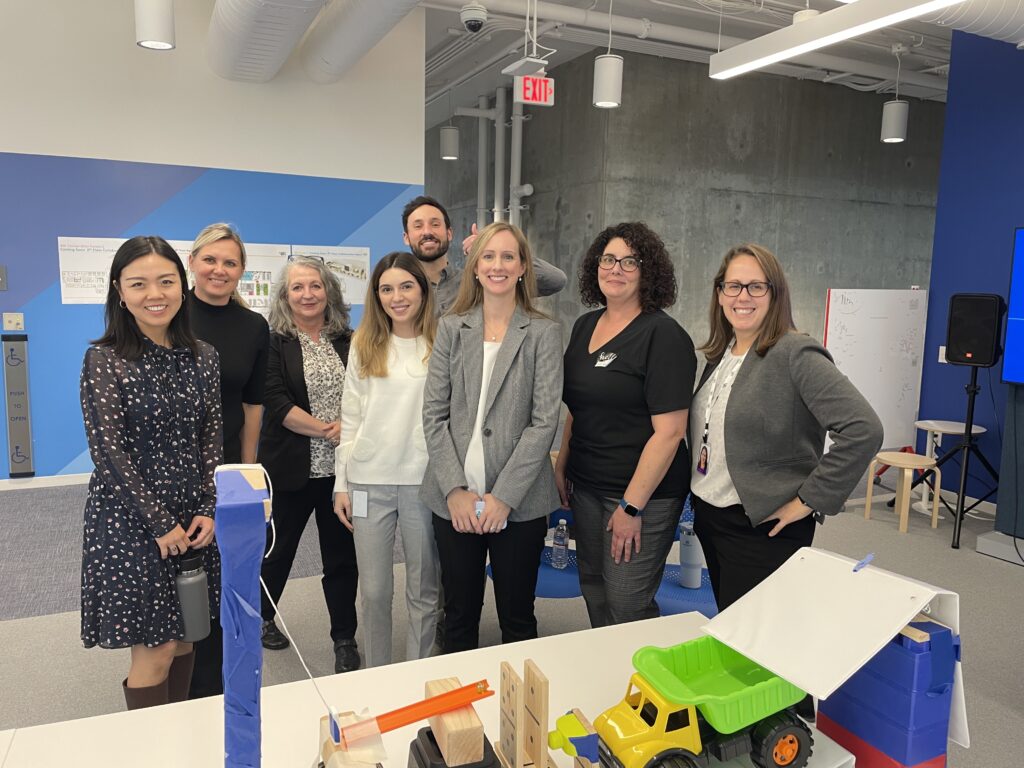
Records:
x=560, y=546
x=690, y=559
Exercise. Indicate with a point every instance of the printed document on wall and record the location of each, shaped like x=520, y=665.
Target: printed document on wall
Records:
x=350, y=264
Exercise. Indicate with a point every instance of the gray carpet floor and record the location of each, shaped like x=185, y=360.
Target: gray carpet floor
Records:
x=47, y=676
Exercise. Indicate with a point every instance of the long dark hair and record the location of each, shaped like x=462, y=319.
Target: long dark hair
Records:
x=122, y=332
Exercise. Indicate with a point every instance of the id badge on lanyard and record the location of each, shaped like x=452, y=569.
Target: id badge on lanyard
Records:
x=704, y=455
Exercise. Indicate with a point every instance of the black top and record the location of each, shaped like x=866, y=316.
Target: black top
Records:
x=647, y=369
x=241, y=338
x=283, y=453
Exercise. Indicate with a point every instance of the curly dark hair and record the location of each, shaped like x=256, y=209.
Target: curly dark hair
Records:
x=657, y=275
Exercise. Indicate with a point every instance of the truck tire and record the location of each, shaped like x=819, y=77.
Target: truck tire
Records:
x=675, y=761
x=781, y=741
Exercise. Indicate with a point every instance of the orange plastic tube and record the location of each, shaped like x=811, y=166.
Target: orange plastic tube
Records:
x=420, y=710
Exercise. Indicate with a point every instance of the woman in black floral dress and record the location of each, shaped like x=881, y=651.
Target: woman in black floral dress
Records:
x=151, y=402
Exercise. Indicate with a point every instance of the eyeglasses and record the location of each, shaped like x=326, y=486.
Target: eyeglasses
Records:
x=627, y=264
x=755, y=290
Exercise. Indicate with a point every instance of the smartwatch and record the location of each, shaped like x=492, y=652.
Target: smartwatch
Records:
x=629, y=509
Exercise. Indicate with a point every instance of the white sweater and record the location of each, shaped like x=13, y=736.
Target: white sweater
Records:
x=382, y=421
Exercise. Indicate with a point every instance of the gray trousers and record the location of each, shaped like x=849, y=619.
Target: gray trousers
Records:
x=616, y=594
x=390, y=506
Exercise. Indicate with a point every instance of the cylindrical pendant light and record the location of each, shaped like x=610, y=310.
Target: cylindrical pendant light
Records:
x=154, y=24
x=449, y=143
x=607, y=81
x=894, y=121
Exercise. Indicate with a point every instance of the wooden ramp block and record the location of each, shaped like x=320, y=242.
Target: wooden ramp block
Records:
x=459, y=733
x=510, y=746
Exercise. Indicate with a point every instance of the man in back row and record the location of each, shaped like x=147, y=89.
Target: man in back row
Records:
x=428, y=233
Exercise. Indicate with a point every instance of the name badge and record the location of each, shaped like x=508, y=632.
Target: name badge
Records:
x=359, y=504
x=605, y=359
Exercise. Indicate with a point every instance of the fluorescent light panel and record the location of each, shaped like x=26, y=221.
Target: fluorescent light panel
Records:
x=829, y=28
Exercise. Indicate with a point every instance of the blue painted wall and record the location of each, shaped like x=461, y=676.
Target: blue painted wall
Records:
x=44, y=197
x=980, y=204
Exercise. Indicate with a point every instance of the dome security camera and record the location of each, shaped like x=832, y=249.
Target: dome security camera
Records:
x=473, y=16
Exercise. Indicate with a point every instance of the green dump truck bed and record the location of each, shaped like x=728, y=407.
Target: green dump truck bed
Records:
x=730, y=690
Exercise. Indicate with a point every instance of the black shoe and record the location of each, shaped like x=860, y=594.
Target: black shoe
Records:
x=273, y=639
x=346, y=656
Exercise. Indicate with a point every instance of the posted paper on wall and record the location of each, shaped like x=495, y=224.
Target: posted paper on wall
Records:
x=350, y=264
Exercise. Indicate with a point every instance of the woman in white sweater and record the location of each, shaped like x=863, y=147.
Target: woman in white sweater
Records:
x=382, y=455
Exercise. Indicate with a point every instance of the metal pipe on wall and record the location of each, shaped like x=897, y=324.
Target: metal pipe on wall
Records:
x=515, y=165
x=499, y=154
x=481, y=166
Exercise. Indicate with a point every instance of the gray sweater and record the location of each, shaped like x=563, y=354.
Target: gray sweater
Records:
x=778, y=412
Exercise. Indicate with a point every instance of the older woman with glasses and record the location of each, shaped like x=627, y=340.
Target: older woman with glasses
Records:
x=623, y=466
x=759, y=427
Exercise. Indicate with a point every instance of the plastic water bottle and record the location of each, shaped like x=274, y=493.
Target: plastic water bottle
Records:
x=560, y=546
x=194, y=597
x=690, y=559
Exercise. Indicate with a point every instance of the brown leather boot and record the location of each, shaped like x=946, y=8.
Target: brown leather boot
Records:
x=140, y=698
x=179, y=677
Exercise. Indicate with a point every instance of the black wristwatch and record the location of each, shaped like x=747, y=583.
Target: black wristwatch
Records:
x=629, y=509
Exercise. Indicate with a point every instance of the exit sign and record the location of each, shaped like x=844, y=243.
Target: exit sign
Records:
x=536, y=90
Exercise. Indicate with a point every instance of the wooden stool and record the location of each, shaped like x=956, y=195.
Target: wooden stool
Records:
x=906, y=463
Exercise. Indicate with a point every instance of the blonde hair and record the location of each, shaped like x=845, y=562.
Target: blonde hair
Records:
x=778, y=320
x=372, y=339
x=214, y=234
x=336, y=322
x=471, y=294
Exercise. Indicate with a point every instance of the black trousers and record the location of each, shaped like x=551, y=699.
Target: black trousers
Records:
x=740, y=556
x=515, y=558
x=337, y=551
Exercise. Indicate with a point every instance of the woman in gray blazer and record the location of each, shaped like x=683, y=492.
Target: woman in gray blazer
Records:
x=490, y=410
x=761, y=410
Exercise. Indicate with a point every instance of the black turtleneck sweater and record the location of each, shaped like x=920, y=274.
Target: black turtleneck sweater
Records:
x=241, y=338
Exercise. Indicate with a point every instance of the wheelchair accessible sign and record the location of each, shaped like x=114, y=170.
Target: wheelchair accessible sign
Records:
x=19, y=421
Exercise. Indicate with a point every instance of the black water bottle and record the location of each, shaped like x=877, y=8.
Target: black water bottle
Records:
x=193, y=596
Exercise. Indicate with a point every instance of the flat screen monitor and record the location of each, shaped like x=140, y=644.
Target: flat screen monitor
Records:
x=1013, y=362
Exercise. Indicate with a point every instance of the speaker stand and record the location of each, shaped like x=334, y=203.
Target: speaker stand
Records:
x=965, y=449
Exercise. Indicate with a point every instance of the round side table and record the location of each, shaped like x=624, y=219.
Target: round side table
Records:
x=934, y=431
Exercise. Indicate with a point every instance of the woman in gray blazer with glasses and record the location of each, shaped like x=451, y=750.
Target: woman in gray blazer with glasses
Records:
x=490, y=411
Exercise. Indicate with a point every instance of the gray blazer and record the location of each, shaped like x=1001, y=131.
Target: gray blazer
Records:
x=520, y=415
x=778, y=411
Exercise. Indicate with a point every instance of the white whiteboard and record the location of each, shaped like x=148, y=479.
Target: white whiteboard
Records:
x=877, y=339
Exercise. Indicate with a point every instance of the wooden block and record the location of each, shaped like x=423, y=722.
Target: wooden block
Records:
x=535, y=722
x=510, y=703
x=459, y=733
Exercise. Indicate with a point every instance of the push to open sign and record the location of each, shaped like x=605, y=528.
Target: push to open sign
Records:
x=536, y=90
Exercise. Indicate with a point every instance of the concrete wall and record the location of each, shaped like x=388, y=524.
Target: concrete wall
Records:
x=796, y=166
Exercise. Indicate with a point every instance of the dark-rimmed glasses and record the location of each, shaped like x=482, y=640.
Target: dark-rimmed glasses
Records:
x=627, y=263
x=755, y=290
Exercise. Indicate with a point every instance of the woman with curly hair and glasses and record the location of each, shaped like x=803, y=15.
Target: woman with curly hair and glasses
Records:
x=623, y=466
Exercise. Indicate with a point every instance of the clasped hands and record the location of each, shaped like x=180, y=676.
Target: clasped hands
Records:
x=462, y=508
x=178, y=541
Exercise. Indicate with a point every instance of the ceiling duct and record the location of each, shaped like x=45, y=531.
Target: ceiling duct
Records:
x=251, y=39
x=346, y=32
x=998, y=19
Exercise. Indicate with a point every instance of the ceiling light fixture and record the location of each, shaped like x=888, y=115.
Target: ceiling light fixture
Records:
x=895, y=112
x=450, y=136
x=608, y=74
x=823, y=30
x=154, y=24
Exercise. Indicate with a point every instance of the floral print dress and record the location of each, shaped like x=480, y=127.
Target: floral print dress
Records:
x=154, y=431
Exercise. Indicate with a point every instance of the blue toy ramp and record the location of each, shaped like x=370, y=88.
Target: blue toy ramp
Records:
x=552, y=582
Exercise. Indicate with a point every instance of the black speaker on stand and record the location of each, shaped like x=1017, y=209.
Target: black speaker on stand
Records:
x=972, y=339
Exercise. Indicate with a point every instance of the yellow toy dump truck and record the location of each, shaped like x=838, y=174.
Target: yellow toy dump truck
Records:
x=701, y=700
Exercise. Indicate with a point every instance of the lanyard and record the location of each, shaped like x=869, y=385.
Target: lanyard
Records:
x=734, y=368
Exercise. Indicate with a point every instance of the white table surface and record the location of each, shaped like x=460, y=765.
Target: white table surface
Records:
x=5, y=742
x=589, y=670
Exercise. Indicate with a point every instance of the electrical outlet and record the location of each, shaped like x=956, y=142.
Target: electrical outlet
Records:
x=14, y=321
x=942, y=353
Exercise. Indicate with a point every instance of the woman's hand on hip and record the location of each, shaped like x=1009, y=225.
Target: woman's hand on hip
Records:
x=625, y=534
x=200, y=531
x=462, y=508
x=788, y=513
x=495, y=514
x=343, y=509
x=174, y=542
